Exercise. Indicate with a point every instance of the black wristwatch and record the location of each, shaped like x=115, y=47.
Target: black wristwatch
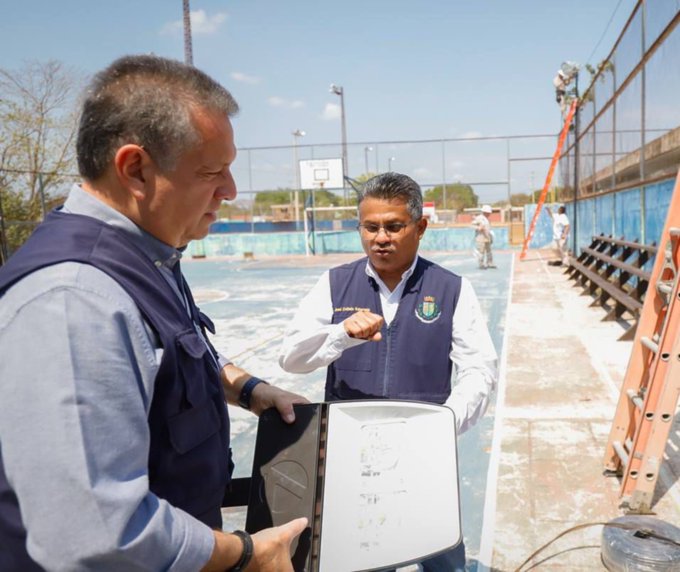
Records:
x=247, y=391
x=247, y=553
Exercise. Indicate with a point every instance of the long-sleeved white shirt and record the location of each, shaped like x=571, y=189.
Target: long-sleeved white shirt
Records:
x=312, y=341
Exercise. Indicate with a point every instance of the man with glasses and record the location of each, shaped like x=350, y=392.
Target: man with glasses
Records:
x=395, y=325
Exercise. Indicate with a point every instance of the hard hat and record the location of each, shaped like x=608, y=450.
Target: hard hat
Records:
x=486, y=209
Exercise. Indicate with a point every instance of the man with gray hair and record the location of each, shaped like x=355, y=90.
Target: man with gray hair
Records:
x=395, y=325
x=116, y=422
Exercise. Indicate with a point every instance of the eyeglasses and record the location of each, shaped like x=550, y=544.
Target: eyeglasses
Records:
x=372, y=229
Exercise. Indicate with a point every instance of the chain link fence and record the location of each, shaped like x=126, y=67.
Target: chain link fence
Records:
x=495, y=166
x=626, y=140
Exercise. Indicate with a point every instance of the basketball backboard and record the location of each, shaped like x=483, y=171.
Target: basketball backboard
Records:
x=321, y=174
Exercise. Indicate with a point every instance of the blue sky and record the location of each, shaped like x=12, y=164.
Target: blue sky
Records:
x=410, y=70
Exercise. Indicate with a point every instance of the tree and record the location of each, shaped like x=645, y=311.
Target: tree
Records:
x=265, y=199
x=234, y=210
x=521, y=199
x=322, y=198
x=458, y=196
x=37, y=155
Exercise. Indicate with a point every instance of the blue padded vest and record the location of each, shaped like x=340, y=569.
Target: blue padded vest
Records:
x=189, y=457
x=412, y=359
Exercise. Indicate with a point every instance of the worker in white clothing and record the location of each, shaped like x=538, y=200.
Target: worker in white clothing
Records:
x=560, y=236
x=483, y=238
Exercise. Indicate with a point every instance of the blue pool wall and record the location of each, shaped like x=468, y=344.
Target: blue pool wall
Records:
x=634, y=214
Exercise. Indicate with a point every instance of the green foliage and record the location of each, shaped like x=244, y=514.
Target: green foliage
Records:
x=20, y=217
x=37, y=155
x=521, y=199
x=234, y=210
x=264, y=200
x=598, y=72
x=458, y=196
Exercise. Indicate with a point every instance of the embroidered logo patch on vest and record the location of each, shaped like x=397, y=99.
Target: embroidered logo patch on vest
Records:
x=428, y=310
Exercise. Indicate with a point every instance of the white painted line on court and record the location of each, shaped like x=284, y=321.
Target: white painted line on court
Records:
x=489, y=520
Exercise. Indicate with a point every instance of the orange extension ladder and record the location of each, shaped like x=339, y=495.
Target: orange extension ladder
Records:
x=556, y=157
x=650, y=390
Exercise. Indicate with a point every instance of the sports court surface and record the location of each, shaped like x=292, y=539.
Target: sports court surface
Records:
x=531, y=470
x=251, y=303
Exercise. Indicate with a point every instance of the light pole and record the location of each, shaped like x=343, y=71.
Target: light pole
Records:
x=366, y=150
x=389, y=163
x=337, y=90
x=297, y=133
x=188, y=50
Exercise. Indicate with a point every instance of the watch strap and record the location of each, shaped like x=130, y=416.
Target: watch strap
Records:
x=247, y=391
x=247, y=554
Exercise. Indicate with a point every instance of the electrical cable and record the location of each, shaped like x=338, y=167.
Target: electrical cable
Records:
x=604, y=32
x=641, y=532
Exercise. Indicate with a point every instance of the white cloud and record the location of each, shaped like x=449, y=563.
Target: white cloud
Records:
x=201, y=23
x=422, y=172
x=331, y=111
x=276, y=101
x=245, y=78
x=470, y=135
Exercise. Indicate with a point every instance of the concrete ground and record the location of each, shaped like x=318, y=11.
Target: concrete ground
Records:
x=561, y=369
x=557, y=396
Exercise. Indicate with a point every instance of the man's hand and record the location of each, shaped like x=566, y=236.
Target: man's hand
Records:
x=265, y=396
x=364, y=325
x=271, y=549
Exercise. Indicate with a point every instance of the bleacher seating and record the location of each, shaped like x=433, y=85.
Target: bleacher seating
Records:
x=613, y=272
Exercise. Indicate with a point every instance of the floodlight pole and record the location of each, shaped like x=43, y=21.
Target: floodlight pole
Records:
x=443, y=174
x=366, y=150
x=576, y=166
x=297, y=133
x=188, y=50
x=339, y=91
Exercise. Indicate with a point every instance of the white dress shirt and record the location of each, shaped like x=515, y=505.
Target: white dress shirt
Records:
x=312, y=341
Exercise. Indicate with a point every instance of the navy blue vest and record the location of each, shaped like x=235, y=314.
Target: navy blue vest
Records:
x=412, y=359
x=189, y=457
